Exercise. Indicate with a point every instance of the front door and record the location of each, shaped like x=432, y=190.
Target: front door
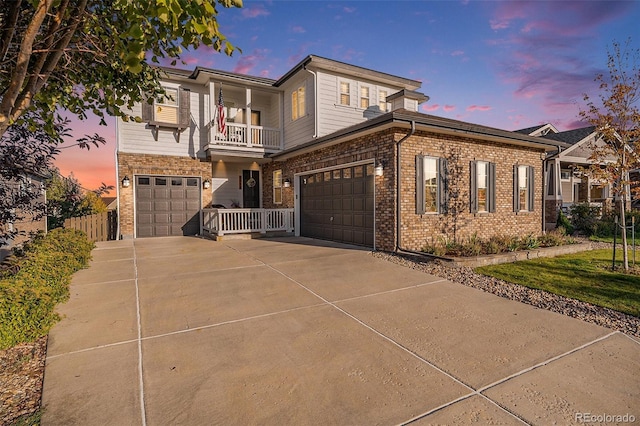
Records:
x=250, y=189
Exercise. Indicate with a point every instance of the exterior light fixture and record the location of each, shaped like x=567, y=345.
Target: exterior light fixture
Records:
x=287, y=183
x=379, y=170
x=126, y=182
x=206, y=184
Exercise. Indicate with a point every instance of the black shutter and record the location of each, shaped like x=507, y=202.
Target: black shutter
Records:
x=147, y=110
x=491, y=196
x=516, y=189
x=184, y=107
x=531, y=188
x=442, y=185
x=419, y=184
x=473, y=191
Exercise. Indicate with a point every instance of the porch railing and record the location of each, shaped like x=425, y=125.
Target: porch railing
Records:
x=243, y=221
x=261, y=137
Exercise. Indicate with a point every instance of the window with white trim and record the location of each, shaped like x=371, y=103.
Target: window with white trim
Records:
x=364, y=97
x=382, y=100
x=277, y=186
x=169, y=110
x=483, y=187
x=345, y=93
x=431, y=181
x=523, y=194
x=298, y=103
x=166, y=108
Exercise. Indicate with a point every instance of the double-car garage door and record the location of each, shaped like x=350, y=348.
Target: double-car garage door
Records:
x=338, y=205
x=167, y=205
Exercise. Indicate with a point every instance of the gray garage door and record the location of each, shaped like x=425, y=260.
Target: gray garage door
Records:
x=167, y=205
x=338, y=205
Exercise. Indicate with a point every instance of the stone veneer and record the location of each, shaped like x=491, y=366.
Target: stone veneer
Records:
x=418, y=230
x=163, y=165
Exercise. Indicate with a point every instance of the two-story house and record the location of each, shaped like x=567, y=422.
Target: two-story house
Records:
x=345, y=147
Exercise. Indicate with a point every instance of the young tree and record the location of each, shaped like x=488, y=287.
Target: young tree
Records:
x=94, y=55
x=616, y=115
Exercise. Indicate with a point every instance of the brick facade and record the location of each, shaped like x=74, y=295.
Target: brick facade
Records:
x=418, y=230
x=163, y=165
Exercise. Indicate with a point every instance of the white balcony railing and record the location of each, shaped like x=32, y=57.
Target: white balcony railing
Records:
x=261, y=137
x=243, y=221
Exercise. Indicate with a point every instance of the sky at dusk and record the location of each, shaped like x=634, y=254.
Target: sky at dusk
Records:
x=506, y=64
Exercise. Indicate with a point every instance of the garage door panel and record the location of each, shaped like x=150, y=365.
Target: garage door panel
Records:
x=167, y=205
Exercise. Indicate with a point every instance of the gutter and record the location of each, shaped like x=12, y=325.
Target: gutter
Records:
x=399, y=192
x=315, y=100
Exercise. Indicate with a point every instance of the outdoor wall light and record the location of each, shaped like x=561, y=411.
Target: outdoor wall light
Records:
x=206, y=184
x=287, y=183
x=126, y=182
x=379, y=170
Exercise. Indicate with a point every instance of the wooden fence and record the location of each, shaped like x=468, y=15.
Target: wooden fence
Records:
x=98, y=227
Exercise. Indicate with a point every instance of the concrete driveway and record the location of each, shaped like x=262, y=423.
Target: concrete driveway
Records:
x=298, y=331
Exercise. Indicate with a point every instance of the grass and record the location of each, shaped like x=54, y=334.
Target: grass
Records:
x=585, y=276
x=618, y=240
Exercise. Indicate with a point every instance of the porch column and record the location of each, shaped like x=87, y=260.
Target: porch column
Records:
x=248, y=117
x=212, y=112
x=552, y=195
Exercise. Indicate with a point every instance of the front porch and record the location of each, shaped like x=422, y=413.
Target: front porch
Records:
x=219, y=222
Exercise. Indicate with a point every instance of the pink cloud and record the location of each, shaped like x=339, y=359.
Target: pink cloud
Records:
x=298, y=29
x=448, y=108
x=479, y=108
x=429, y=108
x=248, y=62
x=457, y=53
x=349, y=9
x=255, y=11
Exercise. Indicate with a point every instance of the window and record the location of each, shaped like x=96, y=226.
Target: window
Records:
x=523, y=195
x=297, y=103
x=364, y=97
x=382, y=100
x=345, y=95
x=170, y=110
x=565, y=174
x=431, y=185
x=483, y=187
x=277, y=187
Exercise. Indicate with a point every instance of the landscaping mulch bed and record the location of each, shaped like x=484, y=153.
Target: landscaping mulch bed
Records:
x=21, y=376
x=541, y=299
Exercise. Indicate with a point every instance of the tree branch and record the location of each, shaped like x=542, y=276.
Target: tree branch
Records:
x=8, y=28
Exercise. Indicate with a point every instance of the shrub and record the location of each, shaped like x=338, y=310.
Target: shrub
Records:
x=584, y=217
x=37, y=281
x=564, y=223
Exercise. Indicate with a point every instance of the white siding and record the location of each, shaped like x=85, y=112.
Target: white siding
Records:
x=139, y=138
x=225, y=186
x=332, y=115
x=302, y=129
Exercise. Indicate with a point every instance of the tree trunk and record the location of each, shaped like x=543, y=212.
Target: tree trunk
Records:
x=623, y=226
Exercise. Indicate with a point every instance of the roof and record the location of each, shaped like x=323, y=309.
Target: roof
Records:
x=403, y=118
x=194, y=74
x=530, y=130
x=571, y=136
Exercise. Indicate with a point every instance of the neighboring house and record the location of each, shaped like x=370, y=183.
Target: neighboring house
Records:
x=565, y=181
x=110, y=202
x=28, y=225
x=343, y=146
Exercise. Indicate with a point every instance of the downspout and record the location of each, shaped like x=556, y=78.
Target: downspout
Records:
x=315, y=101
x=398, y=189
x=118, y=180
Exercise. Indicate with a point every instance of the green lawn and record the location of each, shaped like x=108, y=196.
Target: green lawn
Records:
x=581, y=276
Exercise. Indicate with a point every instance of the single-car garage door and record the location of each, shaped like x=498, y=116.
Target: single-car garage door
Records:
x=338, y=205
x=167, y=205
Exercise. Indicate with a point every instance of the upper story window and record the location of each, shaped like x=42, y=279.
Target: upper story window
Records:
x=364, y=97
x=345, y=93
x=170, y=110
x=431, y=184
x=382, y=100
x=523, y=188
x=298, y=103
x=483, y=187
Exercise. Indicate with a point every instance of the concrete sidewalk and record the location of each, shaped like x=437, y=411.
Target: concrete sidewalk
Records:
x=298, y=331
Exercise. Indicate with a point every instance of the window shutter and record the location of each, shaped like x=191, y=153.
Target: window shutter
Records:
x=473, y=192
x=419, y=184
x=147, y=110
x=491, y=190
x=442, y=185
x=185, y=107
x=516, y=189
x=531, y=188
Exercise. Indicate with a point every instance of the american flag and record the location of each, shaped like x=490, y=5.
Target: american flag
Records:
x=222, y=122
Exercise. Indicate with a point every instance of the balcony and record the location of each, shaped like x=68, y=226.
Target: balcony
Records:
x=245, y=137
